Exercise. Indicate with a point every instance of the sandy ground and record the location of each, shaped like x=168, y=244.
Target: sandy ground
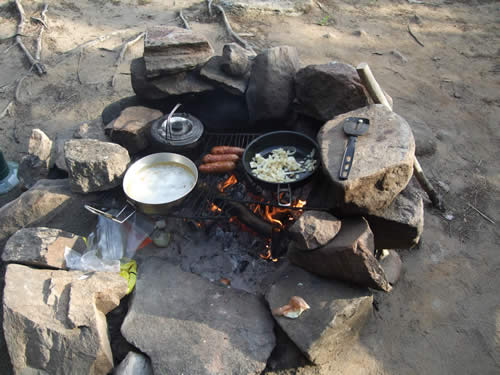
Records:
x=443, y=317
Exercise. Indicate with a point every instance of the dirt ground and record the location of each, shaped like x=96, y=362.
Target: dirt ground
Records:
x=443, y=316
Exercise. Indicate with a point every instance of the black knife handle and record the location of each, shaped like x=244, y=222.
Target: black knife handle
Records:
x=348, y=158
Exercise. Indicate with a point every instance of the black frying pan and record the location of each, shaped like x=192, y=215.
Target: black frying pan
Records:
x=266, y=143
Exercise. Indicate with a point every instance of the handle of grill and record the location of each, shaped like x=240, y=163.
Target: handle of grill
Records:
x=287, y=192
x=116, y=218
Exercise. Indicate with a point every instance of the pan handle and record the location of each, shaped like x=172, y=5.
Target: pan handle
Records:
x=287, y=195
x=116, y=218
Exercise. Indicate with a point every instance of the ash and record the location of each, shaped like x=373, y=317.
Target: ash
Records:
x=218, y=250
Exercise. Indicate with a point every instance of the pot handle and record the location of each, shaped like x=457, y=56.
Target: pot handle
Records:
x=116, y=218
x=287, y=195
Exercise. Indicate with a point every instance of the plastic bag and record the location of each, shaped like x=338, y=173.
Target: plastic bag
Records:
x=109, y=243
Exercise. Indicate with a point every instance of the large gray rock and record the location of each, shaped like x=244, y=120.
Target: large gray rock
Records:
x=94, y=165
x=35, y=166
x=165, y=86
x=130, y=129
x=39, y=206
x=382, y=164
x=134, y=364
x=337, y=314
x=314, y=229
x=186, y=324
x=348, y=257
x=400, y=225
x=170, y=50
x=327, y=90
x=54, y=321
x=236, y=60
x=212, y=71
x=271, y=90
x=41, y=247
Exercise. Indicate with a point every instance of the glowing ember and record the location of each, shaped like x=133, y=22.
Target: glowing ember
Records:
x=268, y=256
x=229, y=182
x=215, y=208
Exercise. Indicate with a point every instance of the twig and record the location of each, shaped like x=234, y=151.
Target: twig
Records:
x=87, y=44
x=20, y=26
x=414, y=36
x=126, y=45
x=184, y=21
x=480, y=213
x=18, y=88
x=78, y=67
x=16, y=138
x=209, y=4
x=122, y=54
x=38, y=52
x=7, y=110
x=243, y=43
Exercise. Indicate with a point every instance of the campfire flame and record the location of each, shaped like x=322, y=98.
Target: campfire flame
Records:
x=229, y=182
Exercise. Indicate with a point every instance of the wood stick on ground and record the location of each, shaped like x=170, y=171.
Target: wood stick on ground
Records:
x=17, y=94
x=38, y=52
x=414, y=36
x=123, y=50
x=87, y=44
x=229, y=29
x=7, y=110
x=378, y=96
x=480, y=213
x=40, y=69
x=184, y=20
x=209, y=5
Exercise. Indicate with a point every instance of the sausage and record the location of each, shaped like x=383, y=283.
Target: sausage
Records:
x=217, y=167
x=217, y=150
x=210, y=158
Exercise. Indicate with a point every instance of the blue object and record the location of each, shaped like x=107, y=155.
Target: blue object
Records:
x=8, y=175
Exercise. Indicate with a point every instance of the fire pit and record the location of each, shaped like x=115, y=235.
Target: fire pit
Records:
x=198, y=306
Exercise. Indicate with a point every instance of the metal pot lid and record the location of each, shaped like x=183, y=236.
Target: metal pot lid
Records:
x=184, y=129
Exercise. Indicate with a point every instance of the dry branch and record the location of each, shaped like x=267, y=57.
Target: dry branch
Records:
x=7, y=110
x=123, y=50
x=17, y=94
x=480, y=213
x=414, y=36
x=43, y=19
x=184, y=21
x=40, y=69
x=229, y=29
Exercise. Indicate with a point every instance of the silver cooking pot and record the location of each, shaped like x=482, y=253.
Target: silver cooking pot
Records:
x=133, y=177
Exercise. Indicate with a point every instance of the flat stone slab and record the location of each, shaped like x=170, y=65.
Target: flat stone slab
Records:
x=382, y=164
x=348, y=257
x=41, y=247
x=49, y=203
x=314, y=229
x=188, y=325
x=336, y=315
x=167, y=85
x=212, y=71
x=288, y=7
x=54, y=321
x=170, y=50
